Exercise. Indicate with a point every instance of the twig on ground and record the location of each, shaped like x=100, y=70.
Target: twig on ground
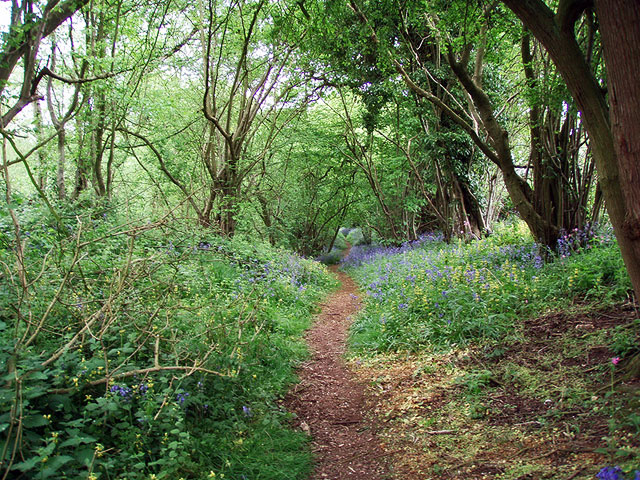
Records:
x=575, y=474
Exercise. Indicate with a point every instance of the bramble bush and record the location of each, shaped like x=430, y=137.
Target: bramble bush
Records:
x=141, y=351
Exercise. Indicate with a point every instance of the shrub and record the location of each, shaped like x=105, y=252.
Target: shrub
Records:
x=136, y=351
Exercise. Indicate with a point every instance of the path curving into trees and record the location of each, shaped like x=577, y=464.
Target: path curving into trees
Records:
x=329, y=403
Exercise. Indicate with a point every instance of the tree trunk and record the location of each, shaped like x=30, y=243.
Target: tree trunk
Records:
x=621, y=39
x=82, y=168
x=471, y=208
x=97, y=145
x=110, y=161
x=519, y=190
x=266, y=216
x=42, y=161
x=597, y=204
x=620, y=32
x=62, y=193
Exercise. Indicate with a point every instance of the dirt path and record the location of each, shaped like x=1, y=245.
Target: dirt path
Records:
x=329, y=403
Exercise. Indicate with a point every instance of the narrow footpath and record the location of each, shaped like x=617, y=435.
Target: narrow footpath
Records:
x=328, y=402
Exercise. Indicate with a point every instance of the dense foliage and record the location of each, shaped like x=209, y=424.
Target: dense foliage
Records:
x=150, y=349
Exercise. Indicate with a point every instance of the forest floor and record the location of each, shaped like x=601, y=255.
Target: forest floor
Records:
x=477, y=413
x=469, y=414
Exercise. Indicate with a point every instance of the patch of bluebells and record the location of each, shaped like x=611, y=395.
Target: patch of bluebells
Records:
x=127, y=393
x=438, y=293
x=362, y=254
x=291, y=273
x=181, y=397
x=433, y=265
x=263, y=273
x=616, y=473
x=522, y=255
x=578, y=239
x=122, y=391
x=170, y=249
x=204, y=246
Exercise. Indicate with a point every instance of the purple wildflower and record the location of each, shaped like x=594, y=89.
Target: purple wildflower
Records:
x=610, y=473
x=181, y=397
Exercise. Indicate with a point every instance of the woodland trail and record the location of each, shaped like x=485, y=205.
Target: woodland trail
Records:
x=329, y=403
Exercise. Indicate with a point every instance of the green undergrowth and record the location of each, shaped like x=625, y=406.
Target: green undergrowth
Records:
x=499, y=362
x=146, y=350
x=442, y=296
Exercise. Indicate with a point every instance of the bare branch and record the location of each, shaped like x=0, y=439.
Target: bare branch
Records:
x=71, y=81
x=163, y=166
x=145, y=371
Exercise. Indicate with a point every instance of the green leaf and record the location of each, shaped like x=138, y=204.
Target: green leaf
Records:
x=54, y=464
x=26, y=465
x=84, y=456
x=34, y=421
x=59, y=402
x=38, y=376
x=75, y=441
x=35, y=392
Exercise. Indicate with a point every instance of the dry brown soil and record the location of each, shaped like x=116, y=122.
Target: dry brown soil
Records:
x=328, y=402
